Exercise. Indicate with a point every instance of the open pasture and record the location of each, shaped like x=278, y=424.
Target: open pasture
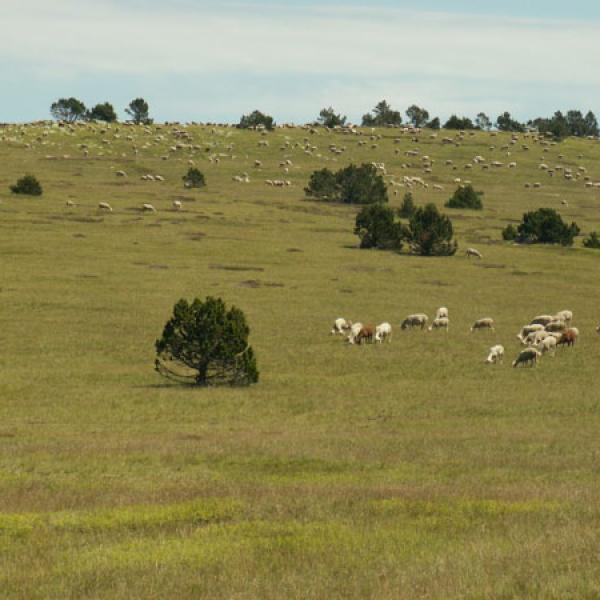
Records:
x=402, y=470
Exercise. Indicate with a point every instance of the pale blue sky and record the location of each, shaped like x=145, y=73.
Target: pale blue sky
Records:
x=213, y=61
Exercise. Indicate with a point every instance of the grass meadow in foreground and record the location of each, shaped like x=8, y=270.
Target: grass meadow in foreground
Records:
x=403, y=470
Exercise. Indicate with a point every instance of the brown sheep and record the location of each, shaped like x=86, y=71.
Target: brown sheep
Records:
x=367, y=333
x=568, y=338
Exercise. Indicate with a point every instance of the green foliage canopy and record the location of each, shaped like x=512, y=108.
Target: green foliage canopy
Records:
x=455, y=122
x=417, y=116
x=592, y=241
x=546, y=226
x=329, y=118
x=465, y=196
x=376, y=227
x=351, y=185
x=209, y=341
x=381, y=116
x=68, y=109
x=256, y=119
x=408, y=207
x=139, y=110
x=430, y=232
x=194, y=178
x=28, y=186
x=102, y=112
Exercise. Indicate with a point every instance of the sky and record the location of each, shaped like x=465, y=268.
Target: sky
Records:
x=202, y=60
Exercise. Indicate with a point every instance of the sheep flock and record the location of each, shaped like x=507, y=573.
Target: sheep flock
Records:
x=543, y=335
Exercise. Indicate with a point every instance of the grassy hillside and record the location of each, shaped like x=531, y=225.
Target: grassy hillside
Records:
x=409, y=470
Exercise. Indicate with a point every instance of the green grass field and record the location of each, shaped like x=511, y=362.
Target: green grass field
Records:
x=408, y=470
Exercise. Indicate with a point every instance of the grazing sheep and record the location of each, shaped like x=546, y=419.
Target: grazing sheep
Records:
x=440, y=323
x=496, y=354
x=354, y=331
x=473, y=252
x=529, y=355
x=177, y=205
x=366, y=334
x=527, y=329
x=542, y=320
x=383, y=332
x=554, y=326
x=105, y=206
x=548, y=344
x=569, y=337
x=535, y=337
x=341, y=326
x=441, y=313
x=564, y=315
x=70, y=203
x=148, y=208
x=485, y=323
x=417, y=320
x=120, y=174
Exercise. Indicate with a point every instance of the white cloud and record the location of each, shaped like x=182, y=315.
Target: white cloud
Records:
x=361, y=56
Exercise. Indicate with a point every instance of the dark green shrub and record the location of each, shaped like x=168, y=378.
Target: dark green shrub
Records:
x=194, y=178
x=430, y=232
x=139, y=111
x=377, y=228
x=434, y=123
x=545, y=226
x=256, y=119
x=592, y=241
x=329, y=118
x=455, y=122
x=417, y=116
x=506, y=123
x=351, y=185
x=27, y=185
x=323, y=186
x=103, y=112
x=206, y=344
x=381, y=116
x=408, y=206
x=466, y=197
x=68, y=109
x=510, y=233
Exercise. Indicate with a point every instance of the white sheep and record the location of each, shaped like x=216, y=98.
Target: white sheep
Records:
x=564, y=315
x=383, y=332
x=355, y=329
x=439, y=323
x=485, y=323
x=341, y=326
x=535, y=337
x=441, y=313
x=105, y=206
x=496, y=354
x=473, y=252
x=527, y=329
x=177, y=204
x=146, y=207
x=548, y=344
x=555, y=326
